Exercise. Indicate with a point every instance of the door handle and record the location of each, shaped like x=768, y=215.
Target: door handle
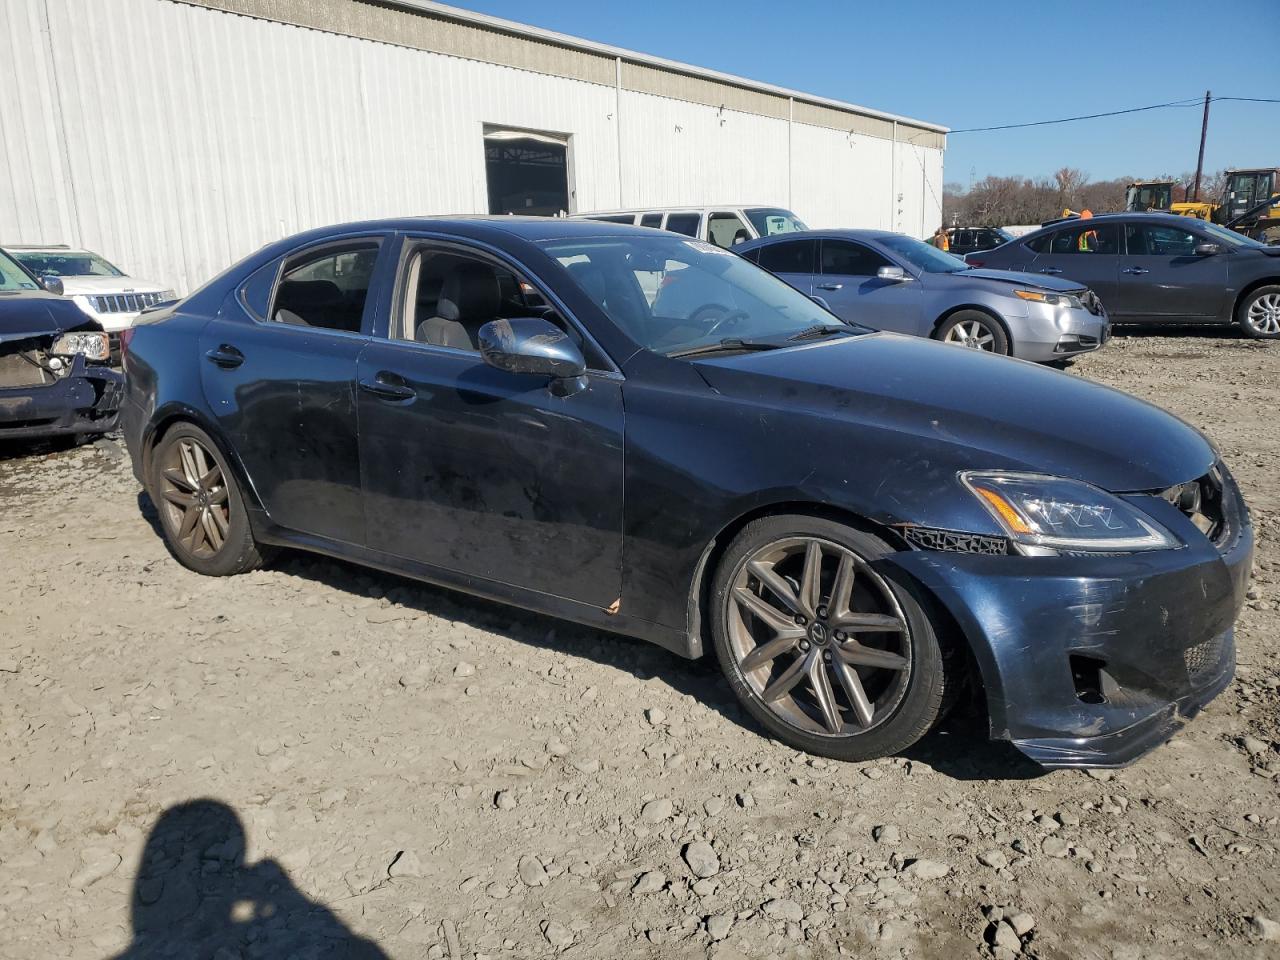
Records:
x=388, y=386
x=831, y=286
x=1135, y=270
x=226, y=356
x=1050, y=269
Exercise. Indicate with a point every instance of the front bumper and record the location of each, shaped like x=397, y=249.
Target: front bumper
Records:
x=1094, y=661
x=86, y=400
x=1056, y=333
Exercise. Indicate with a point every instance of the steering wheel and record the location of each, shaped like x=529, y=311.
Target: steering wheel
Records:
x=729, y=319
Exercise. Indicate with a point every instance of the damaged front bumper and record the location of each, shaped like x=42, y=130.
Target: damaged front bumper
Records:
x=84, y=399
x=1092, y=661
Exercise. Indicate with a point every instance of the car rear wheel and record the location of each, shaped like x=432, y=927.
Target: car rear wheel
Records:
x=1259, y=313
x=201, y=509
x=975, y=330
x=823, y=645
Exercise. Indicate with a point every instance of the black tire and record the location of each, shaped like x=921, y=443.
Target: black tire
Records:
x=231, y=549
x=963, y=320
x=915, y=696
x=1258, y=314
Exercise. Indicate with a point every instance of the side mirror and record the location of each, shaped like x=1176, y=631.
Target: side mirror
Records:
x=1207, y=249
x=531, y=345
x=822, y=303
x=52, y=284
x=892, y=274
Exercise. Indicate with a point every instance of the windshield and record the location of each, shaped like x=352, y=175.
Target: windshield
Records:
x=671, y=294
x=13, y=277
x=67, y=263
x=1229, y=237
x=921, y=255
x=772, y=220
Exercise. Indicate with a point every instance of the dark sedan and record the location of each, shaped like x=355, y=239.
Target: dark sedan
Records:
x=854, y=522
x=1156, y=268
x=54, y=377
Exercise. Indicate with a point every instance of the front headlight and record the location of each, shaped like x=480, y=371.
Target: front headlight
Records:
x=1045, y=514
x=1053, y=299
x=90, y=345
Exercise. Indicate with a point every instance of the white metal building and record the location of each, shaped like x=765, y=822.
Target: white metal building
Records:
x=176, y=136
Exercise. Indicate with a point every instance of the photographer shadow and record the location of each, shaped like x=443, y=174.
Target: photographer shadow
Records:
x=195, y=896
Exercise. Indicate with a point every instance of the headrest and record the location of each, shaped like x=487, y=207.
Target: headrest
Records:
x=473, y=290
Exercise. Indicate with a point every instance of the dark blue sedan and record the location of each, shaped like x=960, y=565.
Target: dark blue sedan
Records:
x=650, y=435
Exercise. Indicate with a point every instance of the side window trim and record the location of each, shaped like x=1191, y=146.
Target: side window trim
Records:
x=412, y=243
x=296, y=257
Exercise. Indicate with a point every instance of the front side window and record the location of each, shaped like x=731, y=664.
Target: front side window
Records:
x=671, y=295
x=726, y=229
x=13, y=277
x=686, y=223
x=849, y=259
x=1086, y=238
x=69, y=264
x=448, y=295
x=326, y=289
x=788, y=256
x=769, y=221
x=1149, y=240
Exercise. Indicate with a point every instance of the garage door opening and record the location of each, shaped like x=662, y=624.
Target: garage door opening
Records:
x=527, y=172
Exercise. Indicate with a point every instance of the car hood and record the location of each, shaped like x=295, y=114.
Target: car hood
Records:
x=73, y=286
x=989, y=412
x=1019, y=279
x=38, y=314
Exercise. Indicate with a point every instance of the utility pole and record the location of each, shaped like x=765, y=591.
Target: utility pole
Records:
x=1204, y=131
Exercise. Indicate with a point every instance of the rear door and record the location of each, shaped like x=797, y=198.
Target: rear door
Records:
x=278, y=371
x=848, y=283
x=1161, y=278
x=795, y=261
x=1086, y=252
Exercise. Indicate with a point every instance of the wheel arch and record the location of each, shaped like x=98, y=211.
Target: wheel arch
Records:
x=1246, y=291
x=979, y=308
x=698, y=617
x=171, y=416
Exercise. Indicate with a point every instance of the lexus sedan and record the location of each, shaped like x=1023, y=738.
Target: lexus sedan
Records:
x=893, y=282
x=853, y=523
x=1156, y=268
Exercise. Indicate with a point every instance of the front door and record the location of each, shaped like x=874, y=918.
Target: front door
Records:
x=278, y=367
x=498, y=476
x=848, y=283
x=1162, y=278
x=1085, y=252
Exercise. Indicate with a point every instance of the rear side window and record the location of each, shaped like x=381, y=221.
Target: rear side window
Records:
x=1040, y=244
x=686, y=223
x=255, y=293
x=619, y=218
x=651, y=220
x=1086, y=238
x=326, y=289
x=846, y=258
x=791, y=256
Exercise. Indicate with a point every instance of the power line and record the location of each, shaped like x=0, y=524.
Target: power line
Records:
x=1191, y=102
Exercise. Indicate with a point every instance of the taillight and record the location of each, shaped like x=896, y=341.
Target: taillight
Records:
x=973, y=263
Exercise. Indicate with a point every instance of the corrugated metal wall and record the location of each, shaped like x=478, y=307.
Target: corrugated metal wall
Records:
x=175, y=139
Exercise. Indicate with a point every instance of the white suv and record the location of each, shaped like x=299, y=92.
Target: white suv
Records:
x=100, y=289
x=724, y=226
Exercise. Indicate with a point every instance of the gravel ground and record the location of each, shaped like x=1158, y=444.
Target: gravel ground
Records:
x=315, y=761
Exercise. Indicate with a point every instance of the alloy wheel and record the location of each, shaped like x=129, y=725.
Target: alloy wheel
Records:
x=1264, y=313
x=973, y=334
x=819, y=637
x=194, y=496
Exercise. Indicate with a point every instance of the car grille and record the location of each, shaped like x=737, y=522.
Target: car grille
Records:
x=123, y=302
x=953, y=541
x=1203, y=502
x=1202, y=660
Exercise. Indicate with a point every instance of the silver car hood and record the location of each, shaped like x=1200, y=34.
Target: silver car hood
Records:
x=1019, y=279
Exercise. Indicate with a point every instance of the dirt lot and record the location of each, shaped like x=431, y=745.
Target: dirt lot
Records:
x=389, y=769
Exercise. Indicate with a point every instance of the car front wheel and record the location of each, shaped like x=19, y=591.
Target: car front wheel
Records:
x=1259, y=313
x=826, y=648
x=201, y=509
x=975, y=330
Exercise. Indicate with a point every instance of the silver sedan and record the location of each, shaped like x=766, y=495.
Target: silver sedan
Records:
x=888, y=281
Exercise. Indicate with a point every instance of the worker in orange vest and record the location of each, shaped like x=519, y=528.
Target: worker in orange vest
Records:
x=941, y=240
x=1088, y=242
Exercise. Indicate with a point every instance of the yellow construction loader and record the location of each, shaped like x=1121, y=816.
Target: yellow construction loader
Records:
x=1142, y=196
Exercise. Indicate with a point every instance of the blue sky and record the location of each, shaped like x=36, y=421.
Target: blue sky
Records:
x=971, y=64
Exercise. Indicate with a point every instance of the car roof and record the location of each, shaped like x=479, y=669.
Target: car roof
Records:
x=833, y=234
x=679, y=208
x=475, y=227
